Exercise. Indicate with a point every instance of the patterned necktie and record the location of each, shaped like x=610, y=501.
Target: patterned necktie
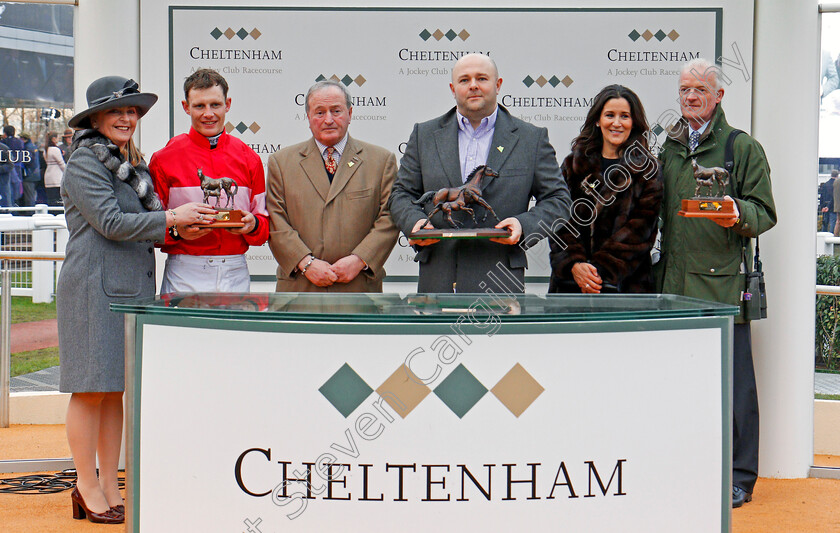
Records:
x=693, y=140
x=330, y=163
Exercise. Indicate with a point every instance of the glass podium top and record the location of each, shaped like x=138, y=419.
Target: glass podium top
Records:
x=423, y=308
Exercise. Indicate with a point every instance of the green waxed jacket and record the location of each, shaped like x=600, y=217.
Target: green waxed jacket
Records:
x=699, y=258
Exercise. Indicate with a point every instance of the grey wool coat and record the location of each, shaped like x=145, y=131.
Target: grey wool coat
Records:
x=109, y=258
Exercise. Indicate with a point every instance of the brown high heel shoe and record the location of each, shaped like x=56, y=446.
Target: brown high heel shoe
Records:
x=81, y=511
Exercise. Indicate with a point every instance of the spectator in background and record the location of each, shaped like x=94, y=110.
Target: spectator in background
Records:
x=6, y=170
x=55, y=170
x=64, y=146
x=40, y=191
x=32, y=171
x=836, y=195
x=829, y=217
x=17, y=157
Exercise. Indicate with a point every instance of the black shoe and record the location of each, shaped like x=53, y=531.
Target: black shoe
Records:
x=740, y=497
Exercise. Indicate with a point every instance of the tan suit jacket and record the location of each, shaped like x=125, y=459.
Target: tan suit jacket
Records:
x=308, y=214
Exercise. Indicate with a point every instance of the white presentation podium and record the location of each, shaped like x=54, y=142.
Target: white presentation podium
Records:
x=382, y=413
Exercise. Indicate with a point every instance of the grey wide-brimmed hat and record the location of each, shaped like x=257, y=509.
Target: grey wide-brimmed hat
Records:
x=110, y=92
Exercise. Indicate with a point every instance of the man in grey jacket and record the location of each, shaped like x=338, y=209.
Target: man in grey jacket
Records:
x=443, y=152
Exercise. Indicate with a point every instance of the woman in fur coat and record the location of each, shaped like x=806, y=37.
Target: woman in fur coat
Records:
x=113, y=216
x=616, y=188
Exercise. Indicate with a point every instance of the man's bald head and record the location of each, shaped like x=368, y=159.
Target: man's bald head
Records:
x=475, y=58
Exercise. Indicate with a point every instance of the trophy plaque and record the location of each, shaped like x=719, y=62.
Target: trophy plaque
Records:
x=447, y=200
x=709, y=206
x=224, y=218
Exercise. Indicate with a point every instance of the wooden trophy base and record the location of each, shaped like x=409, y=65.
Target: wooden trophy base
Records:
x=228, y=218
x=708, y=208
x=460, y=233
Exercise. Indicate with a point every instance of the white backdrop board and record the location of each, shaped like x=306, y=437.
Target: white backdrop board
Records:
x=605, y=428
x=397, y=61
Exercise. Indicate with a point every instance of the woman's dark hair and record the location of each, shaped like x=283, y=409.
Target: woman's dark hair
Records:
x=51, y=138
x=586, y=147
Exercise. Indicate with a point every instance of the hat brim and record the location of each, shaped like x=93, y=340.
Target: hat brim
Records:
x=142, y=101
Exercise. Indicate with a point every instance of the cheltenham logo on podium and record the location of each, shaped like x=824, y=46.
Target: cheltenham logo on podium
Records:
x=460, y=391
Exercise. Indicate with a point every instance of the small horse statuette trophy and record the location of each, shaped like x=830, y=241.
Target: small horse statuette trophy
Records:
x=225, y=218
x=712, y=205
x=447, y=200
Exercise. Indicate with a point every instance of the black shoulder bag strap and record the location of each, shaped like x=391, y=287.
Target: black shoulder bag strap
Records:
x=754, y=310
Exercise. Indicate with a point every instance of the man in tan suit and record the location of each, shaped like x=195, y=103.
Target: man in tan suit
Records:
x=327, y=201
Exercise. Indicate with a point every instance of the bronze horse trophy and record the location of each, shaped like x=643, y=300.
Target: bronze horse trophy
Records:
x=709, y=177
x=214, y=187
x=460, y=198
x=710, y=206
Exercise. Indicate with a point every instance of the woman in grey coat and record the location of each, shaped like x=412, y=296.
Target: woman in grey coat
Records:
x=113, y=216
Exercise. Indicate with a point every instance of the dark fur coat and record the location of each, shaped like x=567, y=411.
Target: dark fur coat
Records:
x=619, y=239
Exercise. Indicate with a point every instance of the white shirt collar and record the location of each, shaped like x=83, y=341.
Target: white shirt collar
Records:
x=339, y=147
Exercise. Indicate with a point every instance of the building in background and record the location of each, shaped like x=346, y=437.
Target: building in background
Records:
x=36, y=67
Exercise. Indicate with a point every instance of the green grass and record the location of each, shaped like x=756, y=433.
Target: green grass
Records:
x=26, y=362
x=23, y=310
x=827, y=396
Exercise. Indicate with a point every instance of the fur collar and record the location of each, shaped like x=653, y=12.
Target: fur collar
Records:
x=107, y=152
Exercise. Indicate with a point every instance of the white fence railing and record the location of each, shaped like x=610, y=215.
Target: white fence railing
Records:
x=39, y=233
x=6, y=320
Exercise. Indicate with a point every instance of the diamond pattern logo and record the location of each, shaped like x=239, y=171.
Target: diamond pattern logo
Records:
x=648, y=35
x=345, y=390
x=346, y=79
x=242, y=33
x=403, y=391
x=460, y=391
x=517, y=390
x=241, y=127
x=450, y=34
x=542, y=81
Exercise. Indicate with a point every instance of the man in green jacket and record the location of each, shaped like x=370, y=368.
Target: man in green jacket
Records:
x=705, y=258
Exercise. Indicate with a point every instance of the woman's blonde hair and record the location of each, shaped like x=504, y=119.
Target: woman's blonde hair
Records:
x=131, y=153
